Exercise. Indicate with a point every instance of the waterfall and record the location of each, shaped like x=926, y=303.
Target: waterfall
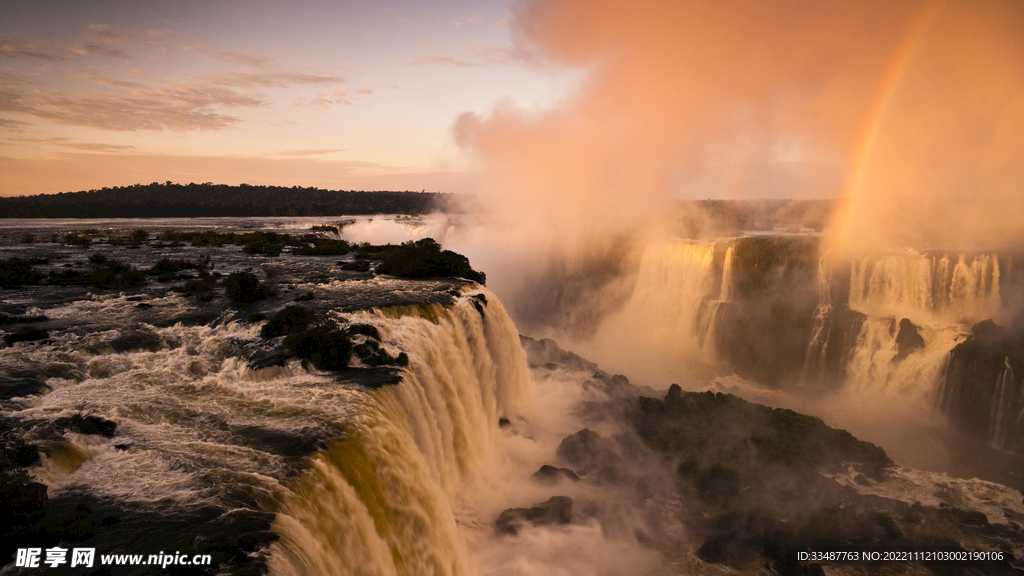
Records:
x=817, y=349
x=725, y=294
x=1005, y=412
x=920, y=286
x=385, y=498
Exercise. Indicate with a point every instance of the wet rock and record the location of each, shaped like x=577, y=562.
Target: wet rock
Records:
x=26, y=334
x=136, y=340
x=587, y=450
x=550, y=474
x=983, y=371
x=266, y=359
x=87, y=425
x=557, y=510
x=504, y=422
x=907, y=340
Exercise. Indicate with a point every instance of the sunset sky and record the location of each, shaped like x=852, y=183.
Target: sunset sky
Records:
x=332, y=94
x=583, y=104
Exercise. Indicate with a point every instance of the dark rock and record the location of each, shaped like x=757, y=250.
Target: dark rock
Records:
x=266, y=359
x=587, y=450
x=907, y=340
x=26, y=334
x=982, y=386
x=504, y=422
x=23, y=496
x=134, y=340
x=368, y=330
x=87, y=425
x=556, y=510
x=551, y=474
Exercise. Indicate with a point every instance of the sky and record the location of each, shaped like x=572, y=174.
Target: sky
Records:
x=339, y=95
x=593, y=111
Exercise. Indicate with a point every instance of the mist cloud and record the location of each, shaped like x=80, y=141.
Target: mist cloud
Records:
x=734, y=99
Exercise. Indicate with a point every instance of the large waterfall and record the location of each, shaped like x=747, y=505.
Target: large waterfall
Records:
x=384, y=499
x=881, y=326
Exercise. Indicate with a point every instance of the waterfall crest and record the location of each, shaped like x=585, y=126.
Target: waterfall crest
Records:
x=383, y=499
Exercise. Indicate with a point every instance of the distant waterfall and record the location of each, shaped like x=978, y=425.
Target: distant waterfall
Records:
x=912, y=284
x=1006, y=411
x=817, y=350
x=383, y=500
x=936, y=292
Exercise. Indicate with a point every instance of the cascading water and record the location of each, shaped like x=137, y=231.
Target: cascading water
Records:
x=385, y=499
x=927, y=286
x=1006, y=414
x=940, y=296
x=669, y=317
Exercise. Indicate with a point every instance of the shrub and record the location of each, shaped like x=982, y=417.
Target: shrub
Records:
x=425, y=259
x=325, y=345
x=17, y=272
x=244, y=287
x=291, y=319
x=74, y=239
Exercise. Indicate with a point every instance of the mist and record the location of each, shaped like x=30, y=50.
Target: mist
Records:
x=908, y=113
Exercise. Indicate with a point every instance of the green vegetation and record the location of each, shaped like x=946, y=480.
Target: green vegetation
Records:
x=291, y=319
x=244, y=287
x=704, y=218
x=762, y=260
x=425, y=259
x=169, y=200
x=324, y=344
x=105, y=273
x=18, y=272
x=166, y=269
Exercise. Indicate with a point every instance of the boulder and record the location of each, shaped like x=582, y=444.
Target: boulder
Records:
x=557, y=510
x=550, y=474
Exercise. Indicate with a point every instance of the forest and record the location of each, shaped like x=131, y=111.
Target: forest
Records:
x=170, y=200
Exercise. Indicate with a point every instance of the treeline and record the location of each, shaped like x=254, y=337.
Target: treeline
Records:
x=702, y=218
x=169, y=200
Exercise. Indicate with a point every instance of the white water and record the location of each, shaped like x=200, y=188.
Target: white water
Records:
x=949, y=288
x=423, y=469
x=874, y=370
x=1006, y=412
x=667, y=325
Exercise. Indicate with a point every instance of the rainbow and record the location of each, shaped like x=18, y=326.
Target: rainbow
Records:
x=853, y=185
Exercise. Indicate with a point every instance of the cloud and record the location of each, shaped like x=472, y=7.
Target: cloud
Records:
x=365, y=90
x=217, y=55
x=10, y=50
x=270, y=79
x=99, y=147
x=107, y=35
x=12, y=125
x=104, y=37
x=471, y=55
x=100, y=50
x=475, y=21
x=129, y=106
x=324, y=100
x=310, y=152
